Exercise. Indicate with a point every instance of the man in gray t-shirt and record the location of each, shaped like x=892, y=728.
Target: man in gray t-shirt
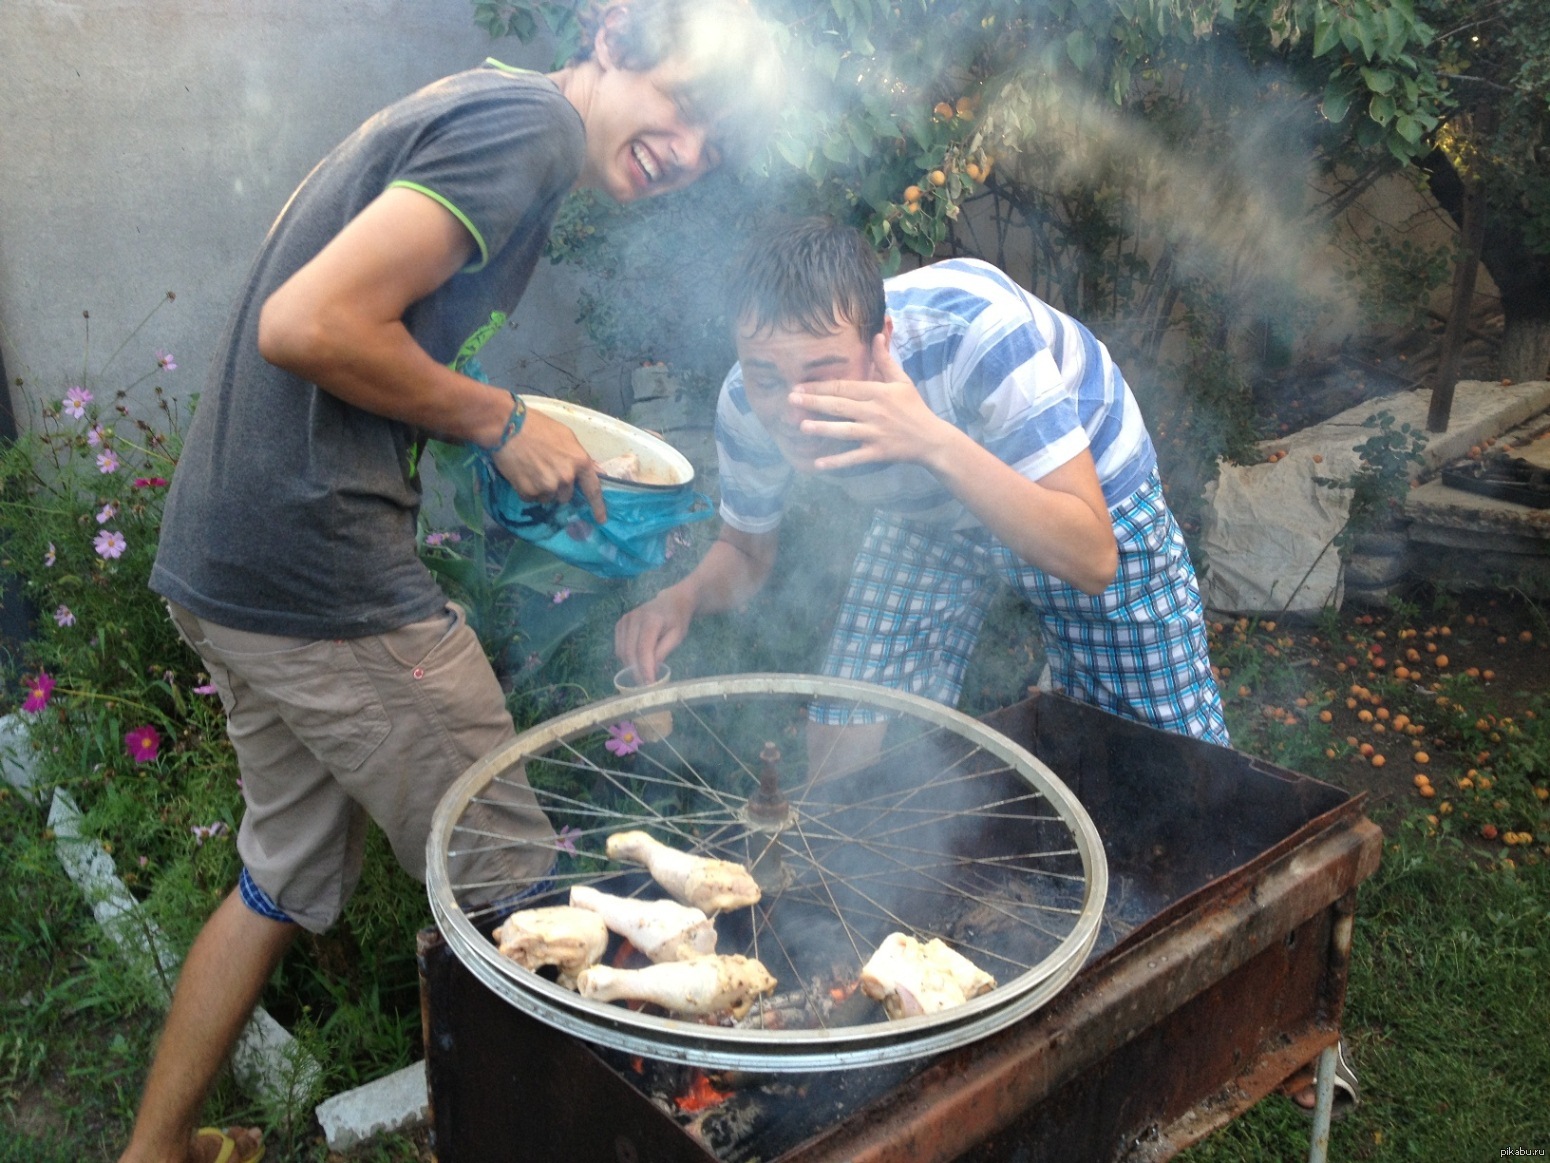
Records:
x=287, y=554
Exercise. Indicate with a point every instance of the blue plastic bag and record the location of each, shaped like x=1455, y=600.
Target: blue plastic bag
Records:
x=633, y=540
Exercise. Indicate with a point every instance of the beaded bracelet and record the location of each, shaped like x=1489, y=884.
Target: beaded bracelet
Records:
x=514, y=424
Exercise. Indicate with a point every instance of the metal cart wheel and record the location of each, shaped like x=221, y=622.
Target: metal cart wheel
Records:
x=908, y=817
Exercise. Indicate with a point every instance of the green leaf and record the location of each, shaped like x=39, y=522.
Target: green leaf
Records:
x=1381, y=109
x=1396, y=31
x=1080, y=48
x=546, y=625
x=465, y=575
x=1336, y=103
x=1367, y=33
x=1378, y=80
x=1326, y=35
x=1408, y=128
x=794, y=152
x=826, y=60
x=859, y=137
x=539, y=570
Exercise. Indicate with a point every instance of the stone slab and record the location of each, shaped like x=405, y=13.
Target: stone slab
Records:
x=1480, y=410
x=395, y=1102
x=1269, y=527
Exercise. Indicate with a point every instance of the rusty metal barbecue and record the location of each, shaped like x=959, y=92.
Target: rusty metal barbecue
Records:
x=1220, y=968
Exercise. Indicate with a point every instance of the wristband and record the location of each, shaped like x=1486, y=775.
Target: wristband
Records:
x=514, y=424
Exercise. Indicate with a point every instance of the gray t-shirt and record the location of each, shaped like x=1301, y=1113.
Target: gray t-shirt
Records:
x=291, y=511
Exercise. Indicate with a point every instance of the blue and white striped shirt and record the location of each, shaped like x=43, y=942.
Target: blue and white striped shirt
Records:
x=1028, y=383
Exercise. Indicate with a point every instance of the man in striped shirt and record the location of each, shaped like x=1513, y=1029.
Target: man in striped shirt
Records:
x=993, y=438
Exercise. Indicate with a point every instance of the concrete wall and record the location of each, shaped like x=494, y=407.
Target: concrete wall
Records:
x=147, y=146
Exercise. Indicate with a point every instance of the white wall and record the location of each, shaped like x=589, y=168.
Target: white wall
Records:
x=146, y=147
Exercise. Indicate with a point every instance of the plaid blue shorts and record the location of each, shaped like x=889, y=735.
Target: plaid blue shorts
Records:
x=918, y=597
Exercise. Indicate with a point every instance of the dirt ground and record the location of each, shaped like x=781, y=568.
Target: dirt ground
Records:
x=1498, y=639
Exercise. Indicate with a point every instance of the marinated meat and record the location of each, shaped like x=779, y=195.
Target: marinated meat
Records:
x=662, y=930
x=568, y=938
x=624, y=467
x=911, y=978
x=702, y=985
x=708, y=884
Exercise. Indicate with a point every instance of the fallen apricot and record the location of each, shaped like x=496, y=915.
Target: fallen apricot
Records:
x=1488, y=831
x=1422, y=757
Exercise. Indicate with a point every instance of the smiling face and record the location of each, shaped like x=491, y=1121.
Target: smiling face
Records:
x=641, y=139
x=776, y=359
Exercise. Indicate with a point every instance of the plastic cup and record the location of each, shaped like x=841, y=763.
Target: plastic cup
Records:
x=653, y=726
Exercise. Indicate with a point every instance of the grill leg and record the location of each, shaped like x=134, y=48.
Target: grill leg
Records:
x=1323, y=1104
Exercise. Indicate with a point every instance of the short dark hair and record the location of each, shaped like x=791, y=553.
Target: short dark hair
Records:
x=812, y=273
x=734, y=71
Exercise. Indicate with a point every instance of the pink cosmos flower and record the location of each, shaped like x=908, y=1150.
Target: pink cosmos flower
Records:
x=107, y=461
x=203, y=832
x=165, y=361
x=110, y=543
x=50, y=557
x=143, y=743
x=75, y=401
x=64, y=617
x=560, y=595
x=38, y=691
x=623, y=739
x=443, y=537
x=566, y=840
x=95, y=435
x=205, y=689
x=150, y=482
x=107, y=512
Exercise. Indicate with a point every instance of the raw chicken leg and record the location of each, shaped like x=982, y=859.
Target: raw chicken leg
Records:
x=910, y=978
x=703, y=985
x=567, y=938
x=662, y=930
x=711, y=885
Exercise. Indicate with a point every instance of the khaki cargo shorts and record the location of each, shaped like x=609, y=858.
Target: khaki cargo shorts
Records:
x=331, y=732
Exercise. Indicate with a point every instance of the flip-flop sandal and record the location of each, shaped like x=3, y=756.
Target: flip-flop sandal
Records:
x=1348, y=1091
x=228, y=1151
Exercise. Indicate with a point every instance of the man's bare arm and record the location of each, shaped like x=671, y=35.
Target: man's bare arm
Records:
x=733, y=571
x=1059, y=523
x=339, y=322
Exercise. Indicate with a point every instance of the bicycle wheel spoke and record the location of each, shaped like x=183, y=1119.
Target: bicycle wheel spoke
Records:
x=889, y=820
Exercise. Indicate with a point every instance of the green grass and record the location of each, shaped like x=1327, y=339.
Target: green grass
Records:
x=1447, y=1019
